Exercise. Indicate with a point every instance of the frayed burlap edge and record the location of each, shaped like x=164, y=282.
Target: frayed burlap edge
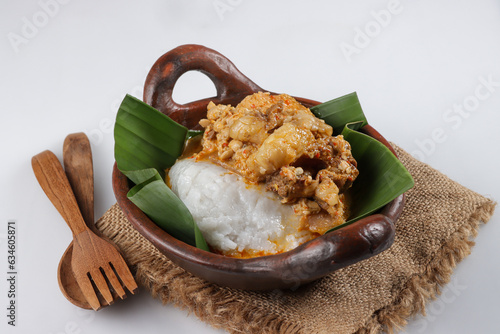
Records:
x=219, y=307
x=427, y=286
x=222, y=308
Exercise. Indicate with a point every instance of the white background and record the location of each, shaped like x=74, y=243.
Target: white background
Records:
x=69, y=72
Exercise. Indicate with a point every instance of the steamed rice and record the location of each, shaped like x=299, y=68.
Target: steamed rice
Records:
x=236, y=219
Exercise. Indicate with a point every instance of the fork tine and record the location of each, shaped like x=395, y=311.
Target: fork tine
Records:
x=124, y=273
x=89, y=293
x=101, y=285
x=113, y=280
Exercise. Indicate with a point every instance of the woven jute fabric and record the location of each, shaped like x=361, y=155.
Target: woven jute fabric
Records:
x=433, y=234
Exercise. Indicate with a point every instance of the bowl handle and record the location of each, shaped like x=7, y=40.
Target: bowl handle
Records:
x=232, y=86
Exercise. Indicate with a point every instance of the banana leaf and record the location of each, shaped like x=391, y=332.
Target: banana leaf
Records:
x=147, y=142
x=341, y=111
x=382, y=177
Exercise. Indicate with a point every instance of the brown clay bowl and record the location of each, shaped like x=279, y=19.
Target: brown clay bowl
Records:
x=310, y=261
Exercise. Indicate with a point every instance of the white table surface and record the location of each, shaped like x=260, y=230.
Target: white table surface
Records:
x=65, y=66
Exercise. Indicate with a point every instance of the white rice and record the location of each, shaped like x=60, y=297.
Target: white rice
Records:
x=233, y=216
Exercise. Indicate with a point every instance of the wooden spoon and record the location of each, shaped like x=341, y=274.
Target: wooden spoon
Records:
x=78, y=166
x=77, y=156
x=97, y=264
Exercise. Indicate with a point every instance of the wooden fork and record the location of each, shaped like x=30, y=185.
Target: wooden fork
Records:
x=94, y=260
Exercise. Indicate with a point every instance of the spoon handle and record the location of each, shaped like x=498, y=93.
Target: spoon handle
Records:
x=77, y=158
x=55, y=184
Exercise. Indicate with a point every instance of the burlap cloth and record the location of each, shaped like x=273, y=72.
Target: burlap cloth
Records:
x=432, y=235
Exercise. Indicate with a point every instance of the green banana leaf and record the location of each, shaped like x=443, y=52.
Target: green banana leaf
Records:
x=341, y=111
x=382, y=177
x=147, y=142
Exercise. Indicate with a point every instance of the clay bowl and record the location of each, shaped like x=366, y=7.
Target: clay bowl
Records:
x=310, y=261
